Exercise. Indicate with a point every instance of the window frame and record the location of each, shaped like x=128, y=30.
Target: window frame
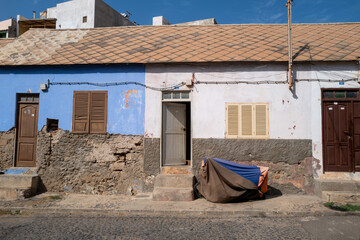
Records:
x=89, y=109
x=253, y=121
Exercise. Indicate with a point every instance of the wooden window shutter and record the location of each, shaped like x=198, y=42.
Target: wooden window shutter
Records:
x=232, y=120
x=81, y=112
x=261, y=120
x=246, y=120
x=98, y=112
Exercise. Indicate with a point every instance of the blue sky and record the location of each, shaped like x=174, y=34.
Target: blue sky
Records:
x=225, y=11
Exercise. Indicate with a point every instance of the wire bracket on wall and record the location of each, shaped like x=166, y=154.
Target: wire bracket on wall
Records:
x=106, y=84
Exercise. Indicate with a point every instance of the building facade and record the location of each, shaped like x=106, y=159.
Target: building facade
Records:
x=123, y=103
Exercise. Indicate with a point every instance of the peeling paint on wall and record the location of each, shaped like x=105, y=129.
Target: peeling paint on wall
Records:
x=129, y=98
x=149, y=135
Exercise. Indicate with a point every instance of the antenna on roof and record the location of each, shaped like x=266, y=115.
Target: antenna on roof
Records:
x=127, y=14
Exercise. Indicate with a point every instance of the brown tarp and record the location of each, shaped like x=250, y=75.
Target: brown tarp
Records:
x=219, y=184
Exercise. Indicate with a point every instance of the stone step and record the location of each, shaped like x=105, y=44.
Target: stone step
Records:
x=174, y=181
x=336, y=185
x=342, y=197
x=15, y=193
x=142, y=196
x=173, y=194
x=18, y=181
x=176, y=170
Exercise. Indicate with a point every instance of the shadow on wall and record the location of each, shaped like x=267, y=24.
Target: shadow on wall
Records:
x=74, y=69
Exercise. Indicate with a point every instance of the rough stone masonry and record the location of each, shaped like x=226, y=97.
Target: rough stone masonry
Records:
x=7, y=140
x=92, y=163
x=114, y=163
x=85, y=163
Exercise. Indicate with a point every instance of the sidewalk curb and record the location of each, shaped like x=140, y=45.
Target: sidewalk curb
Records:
x=245, y=213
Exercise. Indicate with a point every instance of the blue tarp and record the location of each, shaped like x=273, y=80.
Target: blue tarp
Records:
x=18, y=171
x=251, y=173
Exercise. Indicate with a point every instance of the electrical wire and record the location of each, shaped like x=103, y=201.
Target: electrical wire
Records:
x=117, y=84
x=196, y=82
x=275, y=82
x=239, y=82
x=327, y=80
x=229, y=77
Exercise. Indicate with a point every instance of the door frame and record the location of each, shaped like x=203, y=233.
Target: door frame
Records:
x=351, y=142
x=18, y=102
x=164, y=101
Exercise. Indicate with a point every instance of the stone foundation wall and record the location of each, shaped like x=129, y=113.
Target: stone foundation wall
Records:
x=111, y=164
x=152, y=155
x=92, y=163
x=7, y=140
x=290, y=162
x=289, y=178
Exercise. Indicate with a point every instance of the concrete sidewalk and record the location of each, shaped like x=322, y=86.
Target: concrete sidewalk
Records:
x=285, y=205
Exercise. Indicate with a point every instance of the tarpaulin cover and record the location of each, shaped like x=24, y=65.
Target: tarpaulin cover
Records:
x=251, y=173
x=223, y=181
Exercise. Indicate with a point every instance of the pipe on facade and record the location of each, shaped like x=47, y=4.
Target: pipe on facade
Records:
x=358, y=73
x=288, y=5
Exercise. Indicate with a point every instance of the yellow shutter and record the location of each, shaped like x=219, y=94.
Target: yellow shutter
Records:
x=246, y=120
x=261, y=121
x=249, y=120
x=232, y=120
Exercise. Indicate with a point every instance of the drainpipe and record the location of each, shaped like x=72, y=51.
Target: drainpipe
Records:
x=358, y=72
x=288, y=5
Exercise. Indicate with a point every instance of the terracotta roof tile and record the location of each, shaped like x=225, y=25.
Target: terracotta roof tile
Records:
x=161, y=44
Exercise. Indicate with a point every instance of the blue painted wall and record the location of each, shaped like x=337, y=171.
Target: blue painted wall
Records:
x=125, y=103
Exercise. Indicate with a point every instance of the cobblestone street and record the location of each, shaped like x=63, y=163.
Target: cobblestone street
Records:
x=176, y=227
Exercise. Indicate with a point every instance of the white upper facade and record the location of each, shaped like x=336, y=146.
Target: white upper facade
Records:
x=86, y=14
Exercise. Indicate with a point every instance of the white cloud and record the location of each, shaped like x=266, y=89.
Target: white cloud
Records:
x=269, y=3
x=276, y=17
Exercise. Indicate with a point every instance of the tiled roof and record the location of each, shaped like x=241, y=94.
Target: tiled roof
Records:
x=5, y=41
x=165, y=44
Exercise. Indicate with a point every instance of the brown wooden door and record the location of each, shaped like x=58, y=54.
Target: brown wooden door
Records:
x=337, y=131
x=26, y=135
x=356, y=135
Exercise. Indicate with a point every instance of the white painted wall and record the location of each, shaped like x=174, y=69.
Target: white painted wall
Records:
x=291, y=115
x=332, y=71
x=288, y=116
x=70, y=14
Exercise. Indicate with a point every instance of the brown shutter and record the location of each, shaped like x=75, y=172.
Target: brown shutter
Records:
x=246, y=120
x=232, y=120
x=81, y=112
x=98, y=112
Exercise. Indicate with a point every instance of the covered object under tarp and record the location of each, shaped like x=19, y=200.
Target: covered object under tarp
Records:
x=223, y=181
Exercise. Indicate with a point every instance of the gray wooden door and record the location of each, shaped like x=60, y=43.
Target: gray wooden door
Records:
x=174, y=134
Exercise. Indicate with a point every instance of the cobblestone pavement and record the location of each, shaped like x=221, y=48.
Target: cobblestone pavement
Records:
x=176, y=227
